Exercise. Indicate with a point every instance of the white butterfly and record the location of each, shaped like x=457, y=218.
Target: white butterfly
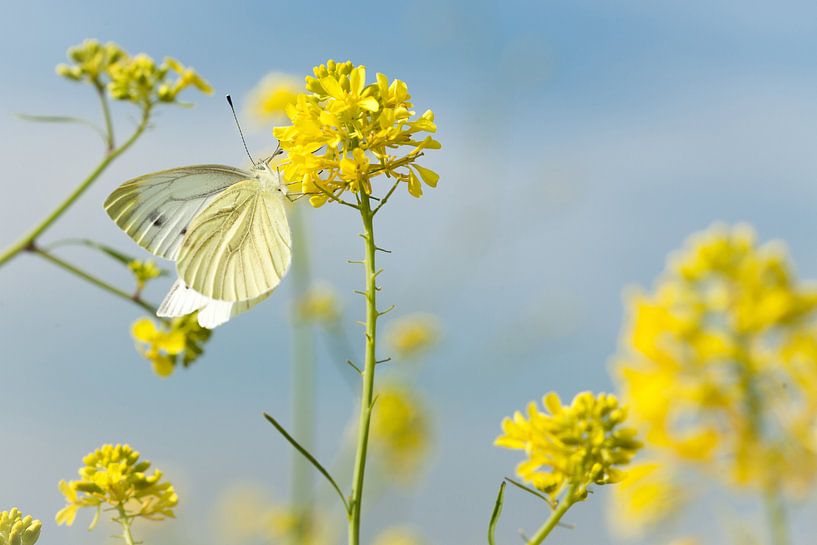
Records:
x=225, y=228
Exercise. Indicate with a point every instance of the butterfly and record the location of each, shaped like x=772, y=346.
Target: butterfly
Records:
x=226, y=229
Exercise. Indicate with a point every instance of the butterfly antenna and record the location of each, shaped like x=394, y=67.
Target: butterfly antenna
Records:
x=240, y=132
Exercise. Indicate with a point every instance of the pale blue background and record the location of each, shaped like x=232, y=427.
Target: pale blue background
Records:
x=582, y=142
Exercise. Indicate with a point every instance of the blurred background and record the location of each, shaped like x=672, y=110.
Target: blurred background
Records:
x=582, y=142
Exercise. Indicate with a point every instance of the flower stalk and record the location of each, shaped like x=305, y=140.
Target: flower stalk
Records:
x=556, y=516
x=370, y=361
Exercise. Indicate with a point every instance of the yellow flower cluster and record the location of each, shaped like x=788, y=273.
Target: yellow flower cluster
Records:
x=401, y=431
x=181, y=341
x=144, y=272
x=138, y=79
x=15, y=529
x=398, y=535
x=346, y=132
x=719, y=363
x=413, y=334
x=114, y=476
x=647, y=496
x=571, y=446
x=319, y=304
x=271, y=97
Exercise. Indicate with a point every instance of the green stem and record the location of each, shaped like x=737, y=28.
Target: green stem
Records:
x=106, y=114
x=367, y=216
x=125, y=522
x=557, y=514
x=776, y=517
x=28, y=239
x=92, y=279
x=303, y=382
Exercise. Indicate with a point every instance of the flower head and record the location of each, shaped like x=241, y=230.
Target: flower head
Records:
x=716, y=366
x=576, y=445
x=346, y=132
x=138, y=79
x=144, y=272
x=269, y=99
x=113, y=476
x=401, y=431
x=413, y=334
x=15, y=529
x=319, y=304
x=179, y=342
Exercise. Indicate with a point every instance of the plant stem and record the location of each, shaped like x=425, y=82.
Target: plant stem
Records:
x=125, y=522
x=303, y=382
x=106, y=113
x=567, y=502
x=28, y=239
x=776, y=517
x=367, y=216
x=92, y=279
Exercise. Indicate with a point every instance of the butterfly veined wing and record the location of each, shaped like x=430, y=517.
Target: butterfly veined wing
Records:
x=182, y=300
x=239, y=247
x=156, y=209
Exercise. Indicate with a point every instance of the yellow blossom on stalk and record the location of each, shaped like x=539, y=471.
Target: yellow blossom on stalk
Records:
x=114, y=477
x=398, y=535
x=346, y=132
x=647, y=496
x=401, y=431
x=270, y=98
x=413, y=334
x=719, y=364
x=15, y=529
x=319, y=304
x=143, y=272
x=179, y=342
x=571, y=445
x=138, y=79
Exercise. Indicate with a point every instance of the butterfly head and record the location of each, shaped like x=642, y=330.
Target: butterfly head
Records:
x=270, y=177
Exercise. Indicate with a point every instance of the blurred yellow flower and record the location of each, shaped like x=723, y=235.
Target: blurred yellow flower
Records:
x=138, y=79
x=181, y=341
x=269, y=99
x=647, y=496
x=413, y=334
x=571, y=445
x=319, y=304
x=401, y=431
x=398, y=535
x=143, y=272
x=719, y=365
x=344, y=133
x=15, y=529
x=113, y=476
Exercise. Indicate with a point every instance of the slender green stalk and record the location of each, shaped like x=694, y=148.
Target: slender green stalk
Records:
x=776, y=517
x=567, y=502
x=28, y=239
x=125, y=522
x=92, y=279
x=303, y=382
x=106, y=114
x=370, y=360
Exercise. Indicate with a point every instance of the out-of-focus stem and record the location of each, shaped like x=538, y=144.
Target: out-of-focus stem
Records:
x=776, y=517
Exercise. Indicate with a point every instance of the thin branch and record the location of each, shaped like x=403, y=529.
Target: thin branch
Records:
x=531, y=491
x=386, y=198
x=496, y=514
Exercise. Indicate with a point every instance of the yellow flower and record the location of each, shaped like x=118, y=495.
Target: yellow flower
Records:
x=575, y=445
x=15, y=529
x=346, y=132
x=401, y=431
x=270, y=98
x=181, y=342
x=143, y=272
x=319, y=304
x=413, y=334
x=718, y=364
x=398, y=535
x=647, y=496
x=93, y=61
x=113, y=476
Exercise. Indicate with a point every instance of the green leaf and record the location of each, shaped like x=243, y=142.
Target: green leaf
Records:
x=64, y=119
x=495, y=515
x=306, y=454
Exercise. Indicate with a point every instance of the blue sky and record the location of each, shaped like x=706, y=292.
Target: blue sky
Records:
x=582, y=143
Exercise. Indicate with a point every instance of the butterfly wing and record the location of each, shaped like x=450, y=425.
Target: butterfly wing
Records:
x=239, y=247
x=182, y=300
x=155, y=210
